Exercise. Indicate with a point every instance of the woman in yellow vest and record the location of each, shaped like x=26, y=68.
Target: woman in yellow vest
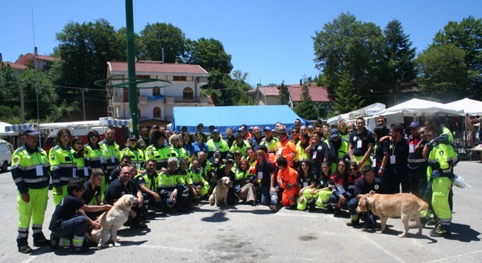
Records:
x=79, y=159
x=62, y=164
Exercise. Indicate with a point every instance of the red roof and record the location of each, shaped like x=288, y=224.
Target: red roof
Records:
x=159, y=67
x=16, y=66
x=269, y=91
x=317, y=93
x=27, y=58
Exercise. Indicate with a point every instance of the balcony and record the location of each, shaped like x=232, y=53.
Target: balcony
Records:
x=119, y=100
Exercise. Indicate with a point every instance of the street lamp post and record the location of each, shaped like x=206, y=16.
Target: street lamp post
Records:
x=131, y=67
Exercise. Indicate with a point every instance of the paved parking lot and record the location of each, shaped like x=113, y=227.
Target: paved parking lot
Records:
x=254, y=234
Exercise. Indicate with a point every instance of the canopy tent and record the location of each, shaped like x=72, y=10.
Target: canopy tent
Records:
x=3, y=129
x=224, y=117
x=366, y=111
x=469, y=106
x=413, y=108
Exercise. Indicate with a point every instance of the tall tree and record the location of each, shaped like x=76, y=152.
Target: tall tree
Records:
x=158, y=36
x=467, y=36
x=400, y=56
x=347, y=98
x=306, y=108
x=347, y=46
x=443, y=73
x=209, y=54
x=84, y=50
x=284, y=95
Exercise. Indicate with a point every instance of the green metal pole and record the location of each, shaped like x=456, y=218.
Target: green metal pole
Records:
x=131, y=68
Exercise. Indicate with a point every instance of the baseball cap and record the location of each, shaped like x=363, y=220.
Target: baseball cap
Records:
x=215, y=131
x=310, y=127
x=414, y=125
x=132, y=138
x=230, y=161
x=267, y=128
x=334, y=133
x=200, y=125
x=31, y=132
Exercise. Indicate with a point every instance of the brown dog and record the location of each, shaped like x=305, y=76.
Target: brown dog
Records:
x=220, y=192
x=407, y=206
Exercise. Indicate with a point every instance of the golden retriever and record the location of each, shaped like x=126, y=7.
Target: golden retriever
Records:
x=407, y=206
x=220, y=192
x=112, y=220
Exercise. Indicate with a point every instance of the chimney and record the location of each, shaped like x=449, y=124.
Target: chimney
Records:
x=1, y=58
x=301, y=82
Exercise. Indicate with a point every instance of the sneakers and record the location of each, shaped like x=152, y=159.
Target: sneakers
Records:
x=54, y=242
x=25, y=249
x=39, y=240
x=440, y=231
x=432, y=222
x=353, y=223
x=273, y=208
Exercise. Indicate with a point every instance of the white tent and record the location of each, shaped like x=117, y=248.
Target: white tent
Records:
x=367, y=111
x=472, y=107
x=4, y=132
x=414, y=108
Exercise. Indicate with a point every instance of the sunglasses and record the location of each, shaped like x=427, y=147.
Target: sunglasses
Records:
x=79, y=143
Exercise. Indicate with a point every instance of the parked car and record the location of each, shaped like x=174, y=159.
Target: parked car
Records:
x=6, y=150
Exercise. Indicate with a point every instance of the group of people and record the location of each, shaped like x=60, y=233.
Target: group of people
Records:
x=303, y=168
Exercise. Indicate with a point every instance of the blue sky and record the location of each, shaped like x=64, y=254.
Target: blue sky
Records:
x=268, y=39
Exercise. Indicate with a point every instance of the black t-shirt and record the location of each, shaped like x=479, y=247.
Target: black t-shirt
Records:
x=382, y=149
x=365, y=138
x=116, y=189
x=90, y=193
x=65, y=210
x=363, y=187
x=267, y=169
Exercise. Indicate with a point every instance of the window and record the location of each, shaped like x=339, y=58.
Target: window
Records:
x=156, y=91
x=142, y=76
x=156, y=112
x=179, y=78
x=126, y=95
x=187, y=94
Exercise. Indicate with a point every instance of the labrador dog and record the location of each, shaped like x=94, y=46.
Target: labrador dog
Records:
x=220, y=192
x=111, y=221
x=407, y=206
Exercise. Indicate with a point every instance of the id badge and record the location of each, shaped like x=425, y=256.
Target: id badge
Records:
x=74, y=173
x=411, y=148
x=39, y=169
x=280, y=151
x=260, y=175
x=314, y=154
x=86, y=171
x=305, y=184
x=392, y=159
x=112, y=158
x=341, y=189
x=372, y=159
x=101, y=158
x=138, y=166
x=359, y=144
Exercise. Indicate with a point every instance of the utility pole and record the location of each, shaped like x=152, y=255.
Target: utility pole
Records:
x=131, y=68
x=22, y=104
x=83, y=101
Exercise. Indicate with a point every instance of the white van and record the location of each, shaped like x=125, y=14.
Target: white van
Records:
x=6, y=150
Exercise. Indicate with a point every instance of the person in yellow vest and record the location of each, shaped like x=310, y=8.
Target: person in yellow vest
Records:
x=158, y=151
x=361, y=144
x=136, y=154
x=270, y=141
x=31, y=174
x=441, y=161
x=62, y=165
x=337, y=148
x=176, y=147
x=198, y=186
x=94, y=157
x=216, y=143
x=147, y=182
x=110, y=150
x=171, y=186
x=300, y=151
x=79, y=159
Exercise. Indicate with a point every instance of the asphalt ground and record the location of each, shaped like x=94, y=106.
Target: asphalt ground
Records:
x=254, y=234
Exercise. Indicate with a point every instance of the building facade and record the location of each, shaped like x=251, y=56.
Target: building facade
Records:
x=160, y=88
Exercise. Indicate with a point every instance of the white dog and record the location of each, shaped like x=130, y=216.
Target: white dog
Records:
x=112, y=220
x=220, y=192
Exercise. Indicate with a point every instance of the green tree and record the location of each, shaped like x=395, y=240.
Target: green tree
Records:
x=467, y=36
x=209, y=54
x=284, y=95
x=306, y=108
x=348, y=46
x=347, y=98
x=400, y=55
x=158, y=36
x=84, y=50
x=443, y=72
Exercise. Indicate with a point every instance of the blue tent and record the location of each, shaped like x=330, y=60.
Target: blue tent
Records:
x=224, y=117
